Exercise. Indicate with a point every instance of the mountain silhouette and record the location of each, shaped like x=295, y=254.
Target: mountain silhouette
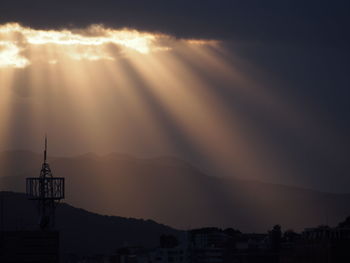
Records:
x=83, y=232
x=173, y=192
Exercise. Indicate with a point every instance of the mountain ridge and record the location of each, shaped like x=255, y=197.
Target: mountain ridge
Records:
x=176, y=193
x=83, y=232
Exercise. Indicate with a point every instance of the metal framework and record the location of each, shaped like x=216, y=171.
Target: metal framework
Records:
x=50, y=188
x=47, y=190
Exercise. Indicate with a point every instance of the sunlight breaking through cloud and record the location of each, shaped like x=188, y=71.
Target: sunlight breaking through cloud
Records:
x=10, y=56
x=130, y=90
x=95, y=42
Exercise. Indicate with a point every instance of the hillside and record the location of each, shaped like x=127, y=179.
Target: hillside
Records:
x=175, y=193
x=83, y=232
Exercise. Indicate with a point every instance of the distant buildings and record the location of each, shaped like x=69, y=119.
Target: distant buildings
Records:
x=213, y=245
x=321, y=244
x=206, y=245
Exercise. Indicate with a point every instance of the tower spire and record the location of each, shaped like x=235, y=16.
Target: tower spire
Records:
x=45, y=151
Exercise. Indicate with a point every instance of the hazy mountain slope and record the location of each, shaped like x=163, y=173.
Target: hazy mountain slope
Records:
x=172, y=192
x=83, y=232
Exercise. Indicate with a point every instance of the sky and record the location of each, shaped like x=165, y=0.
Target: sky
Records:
x=252, y=89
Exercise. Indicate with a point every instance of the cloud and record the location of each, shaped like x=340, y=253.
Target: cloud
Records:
x=313, y=22
x=94, y=42
x=10, y=56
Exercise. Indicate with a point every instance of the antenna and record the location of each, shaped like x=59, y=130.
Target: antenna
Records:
x=45, y=151
x=47, y=190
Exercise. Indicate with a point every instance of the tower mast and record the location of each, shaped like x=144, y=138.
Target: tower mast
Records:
x=47, y=190
x=45, y=151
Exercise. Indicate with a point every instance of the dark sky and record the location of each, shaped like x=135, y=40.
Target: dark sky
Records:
x=321, y=22
x=302, y=44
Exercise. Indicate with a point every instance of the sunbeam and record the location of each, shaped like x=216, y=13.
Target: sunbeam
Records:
x=124, y=90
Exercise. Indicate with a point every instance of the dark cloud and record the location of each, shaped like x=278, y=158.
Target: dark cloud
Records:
x=319, y=22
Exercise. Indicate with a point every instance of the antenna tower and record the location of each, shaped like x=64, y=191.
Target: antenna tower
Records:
x=48, y=191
